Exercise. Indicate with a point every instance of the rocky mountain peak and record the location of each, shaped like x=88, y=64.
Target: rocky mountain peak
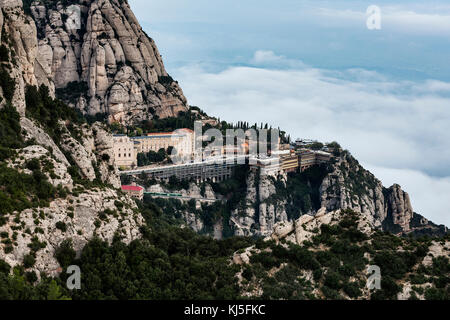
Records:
x=101, y=61
x=350, y=186
x=399, y=207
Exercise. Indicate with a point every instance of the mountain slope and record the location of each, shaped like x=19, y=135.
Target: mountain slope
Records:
x=327, y=256
x=58, y=179
x=61, y=203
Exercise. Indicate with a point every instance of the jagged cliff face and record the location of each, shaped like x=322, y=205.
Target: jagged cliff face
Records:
x=110, y=65
x=258, y=215
x=85, y=212
x=346, y=186
x=398, y=208
x=269, y=202
x=350, y=186
x=18, y=32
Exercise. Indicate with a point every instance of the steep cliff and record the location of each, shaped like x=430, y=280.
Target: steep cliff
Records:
x=255, y=205
x=258, y=213
x=349, y=185
x=19, y=39
x=101, y=61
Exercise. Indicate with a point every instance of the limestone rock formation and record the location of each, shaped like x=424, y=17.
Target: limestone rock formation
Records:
x=99, y=45
x=18, y=33
x=57, y=171
x=85, y=212
x=304, y=228
x=78, y=218
x=258, y=215
x=350, y=186
x=92, y=152
x=347, y=185
x=398, y=207
x=31, y=130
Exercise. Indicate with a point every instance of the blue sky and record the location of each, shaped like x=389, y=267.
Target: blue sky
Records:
x=314, y=69
x=414, y=40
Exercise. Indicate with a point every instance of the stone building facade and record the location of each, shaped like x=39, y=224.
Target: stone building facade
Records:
x=125, y=151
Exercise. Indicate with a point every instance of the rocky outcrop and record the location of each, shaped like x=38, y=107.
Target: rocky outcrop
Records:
x=269, y=202
x=85, y=213
x=307, y=226
x=91, y=214
x=92, y=152
x=101, y=44
x=350, y=186
x=104, y=149
x=55, y=170
x=31, y=130
x=18, y=34
x=95, y=149
x=398, y=207
x=257, y=215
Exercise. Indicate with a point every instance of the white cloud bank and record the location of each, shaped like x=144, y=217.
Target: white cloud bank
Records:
x=389, y=125
x=268, y=58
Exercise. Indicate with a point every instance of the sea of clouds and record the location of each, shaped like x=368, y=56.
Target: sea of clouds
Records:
x=396, y=129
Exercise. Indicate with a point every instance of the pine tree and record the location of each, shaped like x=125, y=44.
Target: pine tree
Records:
x=54, y=292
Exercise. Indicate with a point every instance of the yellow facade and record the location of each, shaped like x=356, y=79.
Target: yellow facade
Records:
x=125, y=153
x=182, y=140
x=289, y=163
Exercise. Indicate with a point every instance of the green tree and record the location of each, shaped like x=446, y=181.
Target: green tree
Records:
x=54, y=292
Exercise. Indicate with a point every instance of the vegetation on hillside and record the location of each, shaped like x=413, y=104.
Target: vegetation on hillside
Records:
x=175, y=263
x=10, y=132
x=152, y=157
x=72, y=92
x=334, y=266
x=48, y=112
x=301, y=191
x=18, y=191
x=168, y=263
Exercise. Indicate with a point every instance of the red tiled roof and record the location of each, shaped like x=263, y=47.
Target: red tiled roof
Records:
x=132, y=188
